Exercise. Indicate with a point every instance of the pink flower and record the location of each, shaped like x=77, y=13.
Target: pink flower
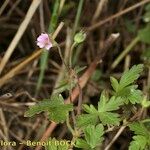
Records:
x=43, y=41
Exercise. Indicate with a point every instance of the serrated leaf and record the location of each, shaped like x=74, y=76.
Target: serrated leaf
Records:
x=90, y=118
x=144, y=34
x=54, y=144
x=114, y=83
x=105, y=106
x=38, y=108
x=130, y=94
x=86, y=119
x=125, y=89
x=142, y=137
x=51, y=146
x=135, y=96
x=62, y=147
x=57, y=110
x=103, y=100
x=81, y=143
x=89, y=109
x=93, y=135
x=109, y=118
x=138, y=128
x=130, y=76
x=111, y=105
x=59, y=114
x=138, y=143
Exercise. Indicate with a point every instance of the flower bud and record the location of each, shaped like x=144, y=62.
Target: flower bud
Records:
x=79, y=37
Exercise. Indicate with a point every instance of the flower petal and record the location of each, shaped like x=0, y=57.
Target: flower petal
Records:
x=48, y=46
x=41, y=45
x=43, y=41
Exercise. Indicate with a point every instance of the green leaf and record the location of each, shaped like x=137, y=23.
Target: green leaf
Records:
x=62, y=147
x=142, y=137
x=86, y=119
x=135, y=96
x=63, y=86
x=104, y=114
x=113, y=104
x=59, y=113
x=105, y=106
x=145, y=103
x=130, y=76
x=125, y=89
x=54, y=144
x=90, y=118
x=79, y=69
x=80, y=143
x=57, y=110
x=38, y=108
x=138, y=128
x=144, y=34
x=89, y=109
x=109, y=118
x=93, y=135
x=139, y=143
x=130, y=94
x=51, y=146
x=114, y=83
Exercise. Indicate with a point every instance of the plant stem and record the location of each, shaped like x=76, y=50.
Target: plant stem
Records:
x=148, y=82
x=45, y=54
x=76, y=24
x=61, y=56
x=76, y=54
x=126, y=51
x=70, y=54
x=77, y=16
x=69, y=126
x=80, y=99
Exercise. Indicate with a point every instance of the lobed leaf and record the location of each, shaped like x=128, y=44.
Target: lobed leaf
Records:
x=114, y=83
x=105, y=106
x=81, y=143
x=138, y=128
x=109, y=118
x=130, y=76
x=139, y=143
x=57, y=110
x=52, y=145
x=86, y=119
x=93, y=135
